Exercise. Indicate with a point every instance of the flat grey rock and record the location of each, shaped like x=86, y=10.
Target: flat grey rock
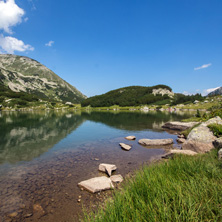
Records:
x=215, y=120
x=97, y=184
x=155, y=142
x=116, y=178
x=184, y=152
x=107, y=168
x=130, y=137
x=179, y=125
x=125, y=146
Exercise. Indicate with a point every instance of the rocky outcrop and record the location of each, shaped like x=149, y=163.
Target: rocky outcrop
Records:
x=155, y=142
x=23, y=74
x=162, y=92
x=184, y=152
x=107, y=168
x=97, y=184
x=179, y=125
x=125, y=146
x=215, y=120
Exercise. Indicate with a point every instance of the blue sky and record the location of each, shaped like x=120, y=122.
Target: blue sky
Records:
x=100, y=45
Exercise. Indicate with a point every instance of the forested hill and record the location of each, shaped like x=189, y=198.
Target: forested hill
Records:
x=132, y=96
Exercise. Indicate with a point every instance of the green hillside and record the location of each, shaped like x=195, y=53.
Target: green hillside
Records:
x=132, y=96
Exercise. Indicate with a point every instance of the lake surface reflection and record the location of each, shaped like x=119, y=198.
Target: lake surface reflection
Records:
x=43, y=155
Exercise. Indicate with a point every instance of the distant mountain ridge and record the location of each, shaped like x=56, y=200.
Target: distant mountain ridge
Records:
x=23, y=74
x=216, y=92
x=132, y=96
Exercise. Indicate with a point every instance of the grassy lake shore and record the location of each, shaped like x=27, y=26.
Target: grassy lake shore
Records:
x=182, y=189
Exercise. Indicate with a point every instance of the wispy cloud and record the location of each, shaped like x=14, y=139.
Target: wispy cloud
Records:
x=50, y=43
x=203, y=66
x=207, y=91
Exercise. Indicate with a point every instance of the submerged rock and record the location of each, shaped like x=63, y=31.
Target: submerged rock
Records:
x=125, y=146
x=130, y=137
x=179, y=125
x=184, y=152
x=97, y=184
x=116, y=178
x=155, y=142
x=107, y=168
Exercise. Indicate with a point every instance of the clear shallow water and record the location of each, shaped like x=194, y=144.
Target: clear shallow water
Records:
x=43, y=155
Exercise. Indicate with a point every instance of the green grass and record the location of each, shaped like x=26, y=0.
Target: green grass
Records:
x=216, y=129
x=182, y=189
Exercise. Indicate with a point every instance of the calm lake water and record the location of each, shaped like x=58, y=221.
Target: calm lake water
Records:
x=43, y=155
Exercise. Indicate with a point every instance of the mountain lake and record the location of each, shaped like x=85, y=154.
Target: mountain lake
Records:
x=45, y=154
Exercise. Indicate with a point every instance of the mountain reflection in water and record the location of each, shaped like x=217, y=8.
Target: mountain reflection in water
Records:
x=27, y=135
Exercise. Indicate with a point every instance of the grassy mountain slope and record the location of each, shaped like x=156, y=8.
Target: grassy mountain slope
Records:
x=131, y=96
x=22, y=74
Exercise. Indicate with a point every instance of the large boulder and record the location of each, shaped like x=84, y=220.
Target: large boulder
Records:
x=97, y=184
x=198, y=147
x=155, y=142
x=179, y=125
x=201, y=134
x=107, y=168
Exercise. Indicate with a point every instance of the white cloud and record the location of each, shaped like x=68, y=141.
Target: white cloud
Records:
x=50, y=43
x=10, y=15
x=26, y=19
x=10, y=44
x=203, y=66
x=207, y=91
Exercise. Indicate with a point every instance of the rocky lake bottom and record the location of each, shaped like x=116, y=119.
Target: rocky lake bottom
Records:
x=43, y=156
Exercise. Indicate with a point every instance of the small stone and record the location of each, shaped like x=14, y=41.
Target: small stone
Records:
x=28, y=215
x=79, y=200
x=125, y=146
x=69, y=175
x=181, y=140
x=14, y=214
x=80, y=197
x=108, y=168
x=116, y=178
x=130, y=137
x=184, y=152
x=96, y=159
